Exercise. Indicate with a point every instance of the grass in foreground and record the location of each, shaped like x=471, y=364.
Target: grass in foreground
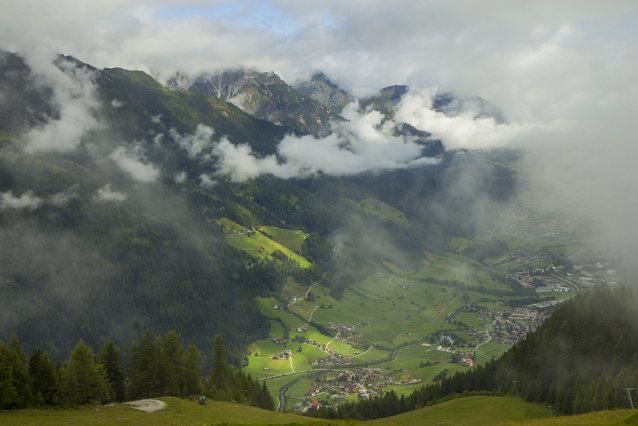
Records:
x=474, y=410
x=477, y=410
x=177, y=412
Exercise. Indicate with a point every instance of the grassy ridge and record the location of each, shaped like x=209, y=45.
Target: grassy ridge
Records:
x=259, y=245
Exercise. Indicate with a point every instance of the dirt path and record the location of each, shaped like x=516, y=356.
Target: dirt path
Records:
x=148, y=405
x=313, y=311
x=361, y=353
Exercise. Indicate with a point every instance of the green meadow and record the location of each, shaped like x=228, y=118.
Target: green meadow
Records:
x=474, y=410
x=261, y=246
x=291, y=239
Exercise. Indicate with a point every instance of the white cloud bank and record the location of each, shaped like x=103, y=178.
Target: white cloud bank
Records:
x=364, y=143
x=26, y=201
x=130, y=161
x=73, y=97
x=107, y=194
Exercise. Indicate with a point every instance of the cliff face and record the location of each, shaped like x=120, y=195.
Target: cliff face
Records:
x=268, y=97
x=319, y=88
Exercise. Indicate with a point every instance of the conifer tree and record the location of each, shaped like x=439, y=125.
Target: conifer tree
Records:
x=84, y=381
x=192, y=371
x=143, y=378
x=18, y=394
x=173, y=364
x=44, y=379
x=219, y=373
x=109, y=357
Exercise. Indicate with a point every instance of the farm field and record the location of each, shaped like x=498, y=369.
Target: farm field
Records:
x=494, y=350
x=396, y=310
x=292, y=288
x=291, y=239
x=261, y=246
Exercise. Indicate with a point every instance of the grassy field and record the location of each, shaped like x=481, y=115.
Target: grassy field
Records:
x=291, y=239
x=494, y=350
x=475, y=410
x=377, y=208
x=457, y=243
x=265, y=350
x=299, y=390
x=229, y=225
x=177, y=412
x=266, y=308
x=292, y=288
x=259, y=245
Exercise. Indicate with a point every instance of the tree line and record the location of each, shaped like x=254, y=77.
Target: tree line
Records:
x=153, y=367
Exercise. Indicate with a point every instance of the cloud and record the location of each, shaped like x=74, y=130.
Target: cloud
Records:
x=61, y=198
x=181, y=177
x=461, y=128
x=206, y=181
x=117, y=104
x=364, y=143
x=107, y=194
x=130, y=162
x=26, y=201
x=197, y=143
x=73, y=97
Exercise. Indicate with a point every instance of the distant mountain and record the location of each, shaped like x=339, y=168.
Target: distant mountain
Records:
x=264, y=96
x=385, y=100
x=452, y=106
x=321, y=89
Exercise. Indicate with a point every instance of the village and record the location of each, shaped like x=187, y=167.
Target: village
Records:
x=367, y=383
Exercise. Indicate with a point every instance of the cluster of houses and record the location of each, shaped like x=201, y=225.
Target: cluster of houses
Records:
x=278, y=341
x=287, y=354
x=244, y=232
x=365, y=383
x=310, y=406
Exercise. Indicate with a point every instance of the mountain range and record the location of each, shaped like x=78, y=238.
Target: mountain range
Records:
x=113, y=188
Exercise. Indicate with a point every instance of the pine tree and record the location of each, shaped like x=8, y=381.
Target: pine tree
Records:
x=143, y=378
x=44, y=380
x=173, y=364
x=219, y=373
x=192, y=371
x=109, y=357
x=84, y=380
